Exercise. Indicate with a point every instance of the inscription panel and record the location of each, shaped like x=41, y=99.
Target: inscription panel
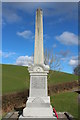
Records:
x=38, y=82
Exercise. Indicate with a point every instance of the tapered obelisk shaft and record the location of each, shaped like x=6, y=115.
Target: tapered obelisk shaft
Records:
x=38, y=51
x=38, y=104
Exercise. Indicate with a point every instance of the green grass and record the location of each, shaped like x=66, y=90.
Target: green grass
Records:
x=60, y=77
x=0, y=117
x=16, y=78
x=67, y=101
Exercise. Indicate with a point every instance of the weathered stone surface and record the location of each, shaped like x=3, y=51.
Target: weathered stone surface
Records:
x=38, y=103
x=42, y=112
x=38, y=51
x=38, y=86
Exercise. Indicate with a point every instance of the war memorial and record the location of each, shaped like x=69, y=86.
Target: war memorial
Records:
x=38, y=105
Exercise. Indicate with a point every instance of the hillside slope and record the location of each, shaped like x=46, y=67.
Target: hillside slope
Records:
x=16, y=78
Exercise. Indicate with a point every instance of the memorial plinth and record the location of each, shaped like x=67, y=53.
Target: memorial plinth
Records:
x=38, y=103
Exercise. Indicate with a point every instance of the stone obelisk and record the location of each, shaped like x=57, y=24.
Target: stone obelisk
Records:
x=38, y=103
x=38, y=51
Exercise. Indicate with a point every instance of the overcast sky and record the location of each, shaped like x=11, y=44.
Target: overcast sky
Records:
x=60, y=28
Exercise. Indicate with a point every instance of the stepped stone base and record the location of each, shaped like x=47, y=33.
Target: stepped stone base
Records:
x=38, y=107
x=40, y=116
x=34, y=112
x=23, y=118
x=15, y=116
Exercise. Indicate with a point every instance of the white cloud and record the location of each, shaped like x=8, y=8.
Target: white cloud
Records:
x=10, y=15
x=27, y=34
x=74, y=61
x=68, y=38
x=49, y=9
x=6, y=54
x=24, y=60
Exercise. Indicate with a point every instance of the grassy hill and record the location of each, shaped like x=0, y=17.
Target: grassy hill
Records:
x=61, y=77
x=16, y=78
